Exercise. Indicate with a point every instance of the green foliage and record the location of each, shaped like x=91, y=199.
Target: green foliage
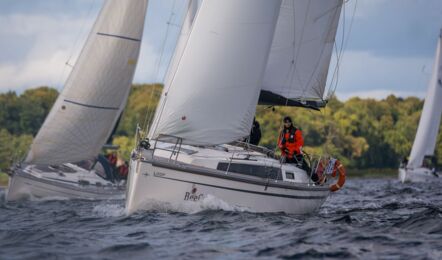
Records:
x=143, y=100
x=12, y=147
x=3, y=179
x=362, y=133
x=25, y=114
x=126, y=144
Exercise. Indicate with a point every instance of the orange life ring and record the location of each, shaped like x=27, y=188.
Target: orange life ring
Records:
x=338, y=169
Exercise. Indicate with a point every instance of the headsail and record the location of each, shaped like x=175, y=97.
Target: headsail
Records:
x=299, y=60
x=95, y=93
x=179, y=50
x=213, y=93
x=428, y=129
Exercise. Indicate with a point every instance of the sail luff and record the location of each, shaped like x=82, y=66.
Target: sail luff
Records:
x=96, y=90
x=179, y=50
x=213, y=95
x=301, y=51
x=427, y=132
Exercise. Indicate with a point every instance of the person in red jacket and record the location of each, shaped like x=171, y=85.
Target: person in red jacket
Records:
x=290, y=141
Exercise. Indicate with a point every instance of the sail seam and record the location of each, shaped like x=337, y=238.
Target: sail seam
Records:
x=91, y=106
x=119, y=36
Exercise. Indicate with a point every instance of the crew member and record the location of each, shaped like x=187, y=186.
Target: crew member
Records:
x=255, y=133
x=290, y=141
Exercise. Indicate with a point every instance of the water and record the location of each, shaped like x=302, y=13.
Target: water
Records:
x=369, y=218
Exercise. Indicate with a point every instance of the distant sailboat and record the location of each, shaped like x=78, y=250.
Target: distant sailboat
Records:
x=86, y=111
x=428, y=129
x=234, y=55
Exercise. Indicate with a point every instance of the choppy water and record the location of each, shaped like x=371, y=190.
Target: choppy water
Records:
x=370, y=218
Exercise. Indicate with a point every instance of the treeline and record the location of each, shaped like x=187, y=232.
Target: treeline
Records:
x=363, y=133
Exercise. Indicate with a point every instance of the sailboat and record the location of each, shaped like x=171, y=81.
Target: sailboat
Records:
x=231, y=56
x=62, y=160
x=426, y=136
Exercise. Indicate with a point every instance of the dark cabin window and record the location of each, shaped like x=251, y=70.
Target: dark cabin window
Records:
x=251, y=170
x=290, y=175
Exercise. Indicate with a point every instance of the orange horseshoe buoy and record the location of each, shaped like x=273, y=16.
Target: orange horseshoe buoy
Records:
x=338, y=169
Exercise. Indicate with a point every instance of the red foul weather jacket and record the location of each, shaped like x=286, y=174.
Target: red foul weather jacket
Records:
x=290, y=141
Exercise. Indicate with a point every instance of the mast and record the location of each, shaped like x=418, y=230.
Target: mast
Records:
x=427, y=131
x=96, y=91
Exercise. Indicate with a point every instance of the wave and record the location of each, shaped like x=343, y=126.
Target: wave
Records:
x=210, y=202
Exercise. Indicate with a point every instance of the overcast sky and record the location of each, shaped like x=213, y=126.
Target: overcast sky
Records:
x=390, y=48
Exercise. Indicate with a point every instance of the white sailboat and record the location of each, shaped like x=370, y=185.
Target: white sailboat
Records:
x=428, y=129
x=233, y=55
x=85, y=113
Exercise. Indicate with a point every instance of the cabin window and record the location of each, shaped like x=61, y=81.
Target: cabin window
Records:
x=251, y=170
x=289, y=175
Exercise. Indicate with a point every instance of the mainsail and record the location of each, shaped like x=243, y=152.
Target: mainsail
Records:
x=213, y=93
x=97, y=89
x=427, y=131
x=300, y=56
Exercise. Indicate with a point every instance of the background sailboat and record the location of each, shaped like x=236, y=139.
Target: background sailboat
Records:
x=428, y=129
x=210, y=98
x=87, y=109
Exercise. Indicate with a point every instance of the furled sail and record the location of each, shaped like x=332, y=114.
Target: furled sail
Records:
x=299, y=60
x=427, y=131
x=213, y=93
x=179, y=50
x=97, y=89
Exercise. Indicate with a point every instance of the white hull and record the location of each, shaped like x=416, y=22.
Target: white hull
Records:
x=178, y=185
x=416, y=175
x=24, y=184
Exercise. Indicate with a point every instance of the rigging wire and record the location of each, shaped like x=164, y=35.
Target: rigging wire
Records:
x=76, y=41
x=161, y=106
x=151, y=112
x=340, y=57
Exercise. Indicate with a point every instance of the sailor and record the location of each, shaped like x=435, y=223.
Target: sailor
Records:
x=112, y=159
x=123, y=170
x=290, y=143
x=255, y=133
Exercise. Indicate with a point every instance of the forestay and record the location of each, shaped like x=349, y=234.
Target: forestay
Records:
x=301, y=52
x=214, y=91
x=179, y=50
x=427, y=132
x=96, y=91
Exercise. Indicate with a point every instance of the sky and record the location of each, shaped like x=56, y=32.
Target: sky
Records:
x=389, y=45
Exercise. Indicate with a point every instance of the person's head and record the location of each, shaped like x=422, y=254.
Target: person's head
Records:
x=287, y=121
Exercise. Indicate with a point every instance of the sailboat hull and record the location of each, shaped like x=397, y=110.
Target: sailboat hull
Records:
x=180, y=187
x=416, y=175
x=25, y=185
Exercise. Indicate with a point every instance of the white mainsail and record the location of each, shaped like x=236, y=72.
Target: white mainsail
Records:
x=301, y=51
x=213, y=93
x=97, y=89
x=426, y=135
